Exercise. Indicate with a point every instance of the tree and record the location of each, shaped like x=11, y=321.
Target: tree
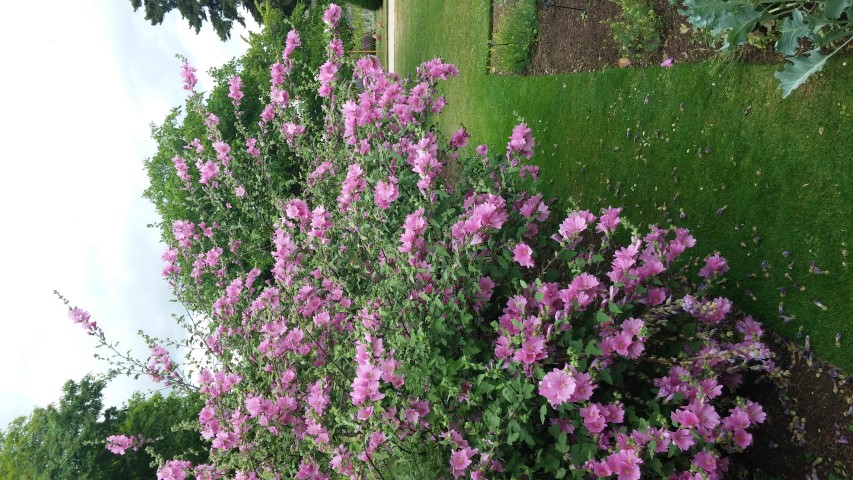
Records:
x=66, y=441
x=220, y=13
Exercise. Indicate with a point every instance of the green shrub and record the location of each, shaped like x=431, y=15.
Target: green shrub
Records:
x=363, y=24
x=368, y=4
x=513, y=36
x=638, y=30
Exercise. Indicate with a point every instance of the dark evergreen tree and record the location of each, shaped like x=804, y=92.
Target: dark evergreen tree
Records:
x=220, y=13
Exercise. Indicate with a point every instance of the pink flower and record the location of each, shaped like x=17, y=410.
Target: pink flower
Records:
x=685, y=418
x=279, y=96
x=337, y=47
x=714, y=266
x=683, y=439
x=531, y=350
x=385, y=193
x=332, y=15
x=609, y=220
x=520, y=141
x=460, y=460
x=353, y=185
x=593, y=419
x=625, y=464
x=291, y=130
x=78, y=315
x=459, y=138
x=291, y=43
x=117, y=444
x=240, y=191
x=235, y=92
x=738, y=420
x=222, y=150
x=557, y=387
x=188, y=74
x=667, y=62
x=573, y=225
x=742, y=438
x=251, y=147
x=523, y=255
x=706, y=461
x=755, y=412
x=174, y=470
x=209, y=171
x=482, y=150
x=181, y=168
x=268, y=114
x=278, y=71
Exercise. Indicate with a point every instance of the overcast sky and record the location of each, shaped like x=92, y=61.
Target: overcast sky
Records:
x=80, y=86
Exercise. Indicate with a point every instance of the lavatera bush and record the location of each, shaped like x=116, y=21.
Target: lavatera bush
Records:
x=414, y=327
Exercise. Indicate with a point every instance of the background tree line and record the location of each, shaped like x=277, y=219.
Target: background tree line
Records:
x=67, y=440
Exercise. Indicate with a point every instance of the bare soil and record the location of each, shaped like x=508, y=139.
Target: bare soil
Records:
x=574, y=37
x=809, y=415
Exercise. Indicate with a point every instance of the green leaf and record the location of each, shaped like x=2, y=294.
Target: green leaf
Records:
x=485, y=388
x=562, y=445
x=799, y=70
x=514, y=430
x=741, y=23
x=832, y=36
x=614, y=308
x=705, y=14
x=509, y=395
x=502, y=261
x=492, y=419
x=792, y=30
x=551, y=463
x=592, y=349
x=527, y=390
x=833, y=8
x=542, y=411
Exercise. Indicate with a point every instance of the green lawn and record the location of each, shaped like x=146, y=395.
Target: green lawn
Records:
x=781, y=169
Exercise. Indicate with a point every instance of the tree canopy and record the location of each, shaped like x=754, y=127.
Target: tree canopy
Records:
x=220, y=13
x=67, y=440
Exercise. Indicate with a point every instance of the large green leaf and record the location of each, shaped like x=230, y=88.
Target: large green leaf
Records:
x=792, y=30
x=833, y=8
x=704, y=13
x=832, y=36
x=741, y=23
x=799, y=70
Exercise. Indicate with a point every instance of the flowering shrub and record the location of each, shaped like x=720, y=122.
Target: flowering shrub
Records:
x=413, y=327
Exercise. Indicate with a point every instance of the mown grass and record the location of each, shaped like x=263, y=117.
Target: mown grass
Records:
x=780, y=172
x=513, y=36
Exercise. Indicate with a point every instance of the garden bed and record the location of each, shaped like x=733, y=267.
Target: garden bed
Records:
x=809, y=420
x=574, y=36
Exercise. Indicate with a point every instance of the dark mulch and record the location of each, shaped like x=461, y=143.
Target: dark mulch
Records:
x=808, y=415
x=572, y=41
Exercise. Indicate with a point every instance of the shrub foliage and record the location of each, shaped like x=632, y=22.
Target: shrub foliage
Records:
x=394, y=325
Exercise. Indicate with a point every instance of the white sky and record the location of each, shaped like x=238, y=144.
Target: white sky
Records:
x=80, y=87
